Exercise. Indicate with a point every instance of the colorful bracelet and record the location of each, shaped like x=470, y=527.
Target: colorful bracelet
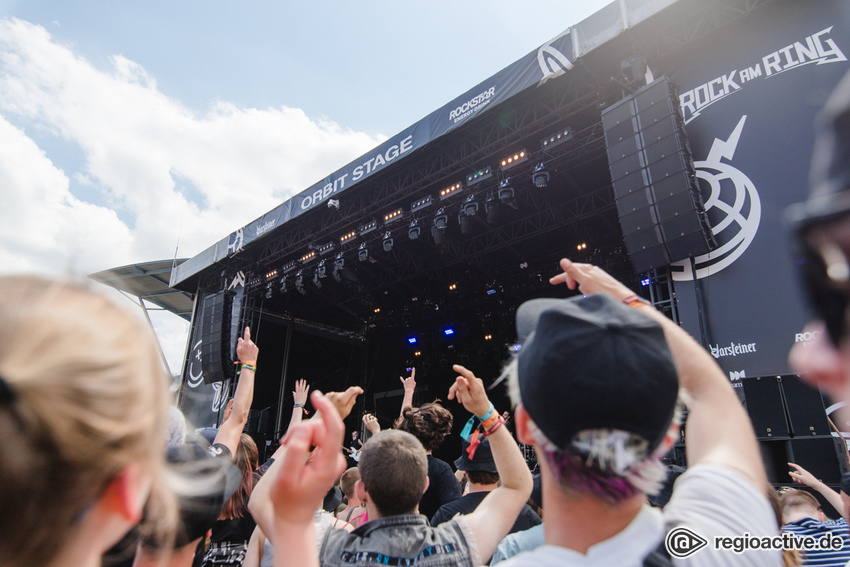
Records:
x=636, y=301
x=489, y=422
x=499, y=423
x=249, y=366
x=488, y=414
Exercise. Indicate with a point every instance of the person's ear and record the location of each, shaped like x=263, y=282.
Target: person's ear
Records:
x=360, y=491
x=521, y=421
x=427, y=484
x=127, y=493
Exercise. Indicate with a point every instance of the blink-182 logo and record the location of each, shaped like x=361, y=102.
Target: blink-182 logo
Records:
x=733, y=205
x=682, y=542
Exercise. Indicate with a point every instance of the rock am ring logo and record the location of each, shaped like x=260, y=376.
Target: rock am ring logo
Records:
x=737, y=220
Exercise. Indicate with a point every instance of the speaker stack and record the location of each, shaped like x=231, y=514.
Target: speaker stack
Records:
x=216, y=356
x=659, y=205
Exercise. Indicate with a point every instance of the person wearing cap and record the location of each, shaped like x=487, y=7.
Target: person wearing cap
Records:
x=483, y=477
x=821, y=229
x=597, y=391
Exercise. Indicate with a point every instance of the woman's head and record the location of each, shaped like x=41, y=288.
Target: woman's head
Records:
x=430, y=423
x=247, y=460
x=89, y=400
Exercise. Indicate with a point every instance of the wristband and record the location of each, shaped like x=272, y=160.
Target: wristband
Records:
x=499, y=423
x=299, y=405
x=488, y=414
x=636, y=301
x=249, y=366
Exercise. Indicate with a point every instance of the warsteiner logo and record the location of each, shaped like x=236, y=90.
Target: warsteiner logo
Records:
x=736, y=217
x=682, y=542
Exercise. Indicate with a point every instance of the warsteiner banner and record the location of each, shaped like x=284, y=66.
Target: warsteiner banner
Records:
x=749, y=106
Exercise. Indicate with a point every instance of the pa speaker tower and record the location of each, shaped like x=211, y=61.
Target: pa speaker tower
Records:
x=216, y=356
x=659, y=205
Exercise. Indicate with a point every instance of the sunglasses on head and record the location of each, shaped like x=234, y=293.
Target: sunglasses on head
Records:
x=826, y=275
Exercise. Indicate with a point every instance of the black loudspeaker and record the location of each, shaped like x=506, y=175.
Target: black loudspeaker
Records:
x=216, y=356
x=806, y=410
x=819, y=457
x=658, y=200
x=765, y=406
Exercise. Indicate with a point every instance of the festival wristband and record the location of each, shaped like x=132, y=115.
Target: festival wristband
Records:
x=488, y=414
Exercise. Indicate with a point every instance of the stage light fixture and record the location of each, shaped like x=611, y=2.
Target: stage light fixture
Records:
x=283, y=284
x=299, y=282
x=453, y=287
x=417, y=353
x=439, y=226
x=557, y=138
x=388, y=241
x=540, y=177
x=308, y=257
x=363, y=252
x=414, y=230
x=513, y=160
x=422, y=203
x=290, y=267
x=339, y=265
x=411, y=340
x=581, y=246
x=448, y=331
x=367, y=228
x=491, y=292
x=488, y=337
x=449, y=191
x=506, y=194
x=492, y=208
x=271, y=275
x=645, y=282
x=377, y=310
x=269, y=290
x=346, y=237
x=393, y=216
x=468, y=210
x=479, y=176
x=326, y=248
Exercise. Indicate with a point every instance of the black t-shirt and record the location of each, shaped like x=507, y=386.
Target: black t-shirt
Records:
x=527, y=518
x=443, y=487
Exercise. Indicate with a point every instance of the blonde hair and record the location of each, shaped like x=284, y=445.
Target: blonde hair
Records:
x=89, y=397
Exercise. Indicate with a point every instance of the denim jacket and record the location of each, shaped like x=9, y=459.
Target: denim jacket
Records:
x=404, y=541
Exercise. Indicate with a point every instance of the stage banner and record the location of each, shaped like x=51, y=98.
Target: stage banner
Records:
x=749, y=104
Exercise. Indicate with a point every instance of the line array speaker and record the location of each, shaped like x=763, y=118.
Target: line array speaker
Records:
x=216, y=355
x=659, y=205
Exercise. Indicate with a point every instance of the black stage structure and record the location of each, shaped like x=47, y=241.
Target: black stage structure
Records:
x=659, y=139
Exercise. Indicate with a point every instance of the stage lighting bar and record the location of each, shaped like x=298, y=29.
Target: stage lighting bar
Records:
x=367, y=228
x=479, y=176
x=326, y=248
x=346, y=237
x=556, y=139
x=513, y=160
x=271, y=274
x=449, y=191
x=422, y=203
x=290, y=267
x=581, y=246
x=393, y=216
x=488, y=337
x=307, y=257
x=449, y=331
x=411, y=340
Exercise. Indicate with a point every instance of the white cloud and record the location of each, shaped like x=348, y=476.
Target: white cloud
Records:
x=151, y=168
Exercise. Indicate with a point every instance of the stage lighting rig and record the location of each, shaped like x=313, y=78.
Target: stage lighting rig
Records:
x=414, y=230
x=339, y=265
x=506, y=194
x=346, y=237
x=388, y=241
x=468, y=210
x=449, y=191
x=513, y=160
x=540, y=176
x=492, y=208
x=396, y=215
x=556, y=139
x=299, y=282
x=422, y=203
x=363, y=252
x=365, y=229
x=289, y=267
x=326, y=248
x=479, y=176
x=439, y=226
x=309, y=257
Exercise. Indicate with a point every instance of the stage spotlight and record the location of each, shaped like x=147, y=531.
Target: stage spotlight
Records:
x=492, y=208
x=322, y=270
x=363, y=252
x=411, y=340
x=283, y=284
x=449, y=331
x=290, y=267
x=308, y=257
x=339, y=265
x=414, y=230
x=388, y=241
x=556, y=139
x=468, y=210
x=479, y=176
x=299, y=282
x=540, y=177
x=269, y=290
x=645, y=282
x=397, y=214
x=370, y=226
x=439, y=226
x=506, y=194
x=514, y=159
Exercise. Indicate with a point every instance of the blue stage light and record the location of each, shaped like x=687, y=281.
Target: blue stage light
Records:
x=449, y=331
x=645, y=282
x=412, y=340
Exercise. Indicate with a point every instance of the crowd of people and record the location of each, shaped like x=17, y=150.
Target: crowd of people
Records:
x=96, y=467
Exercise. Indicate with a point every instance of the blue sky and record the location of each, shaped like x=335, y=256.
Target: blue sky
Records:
x=127, y=127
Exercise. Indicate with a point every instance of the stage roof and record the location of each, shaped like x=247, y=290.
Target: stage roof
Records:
x=554, y=59
x=149, y=282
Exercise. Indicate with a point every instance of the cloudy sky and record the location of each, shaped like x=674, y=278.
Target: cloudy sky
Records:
x=131, y=130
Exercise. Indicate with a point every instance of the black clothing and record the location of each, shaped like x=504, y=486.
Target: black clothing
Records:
x=527, y=518
x=442, y=489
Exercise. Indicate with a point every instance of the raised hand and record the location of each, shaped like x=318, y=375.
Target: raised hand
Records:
x=246, y=350
x=469, y=391
x=590, y=279
x=299, y=396
x=409, y=383
x=371, y=423
x=344, y=401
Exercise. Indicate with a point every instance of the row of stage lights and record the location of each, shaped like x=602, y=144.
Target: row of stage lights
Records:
x=505, y=196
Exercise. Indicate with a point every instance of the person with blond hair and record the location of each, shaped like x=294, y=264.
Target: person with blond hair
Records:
x=83, y=416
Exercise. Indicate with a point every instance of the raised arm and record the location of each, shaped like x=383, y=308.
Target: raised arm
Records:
x=801, y=475
x=231, y=430
x=299, y=401
x=718, y=429
x=409, y=385
x=493, y=518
